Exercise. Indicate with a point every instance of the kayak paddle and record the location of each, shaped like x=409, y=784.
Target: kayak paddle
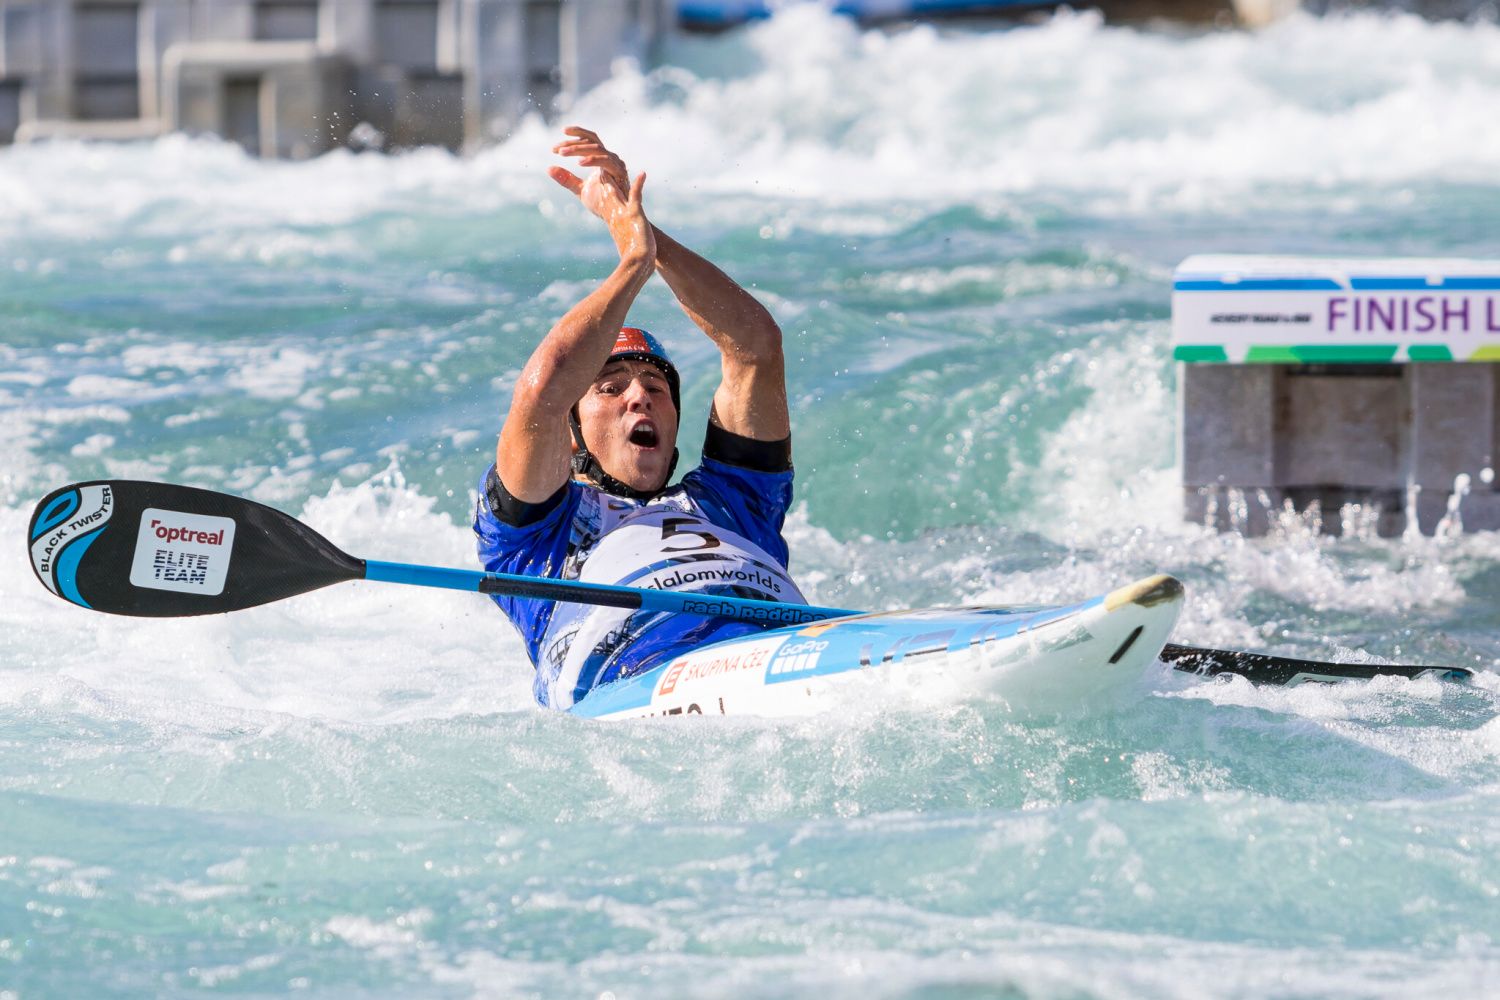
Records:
x=157, y=550
x=1263, y=668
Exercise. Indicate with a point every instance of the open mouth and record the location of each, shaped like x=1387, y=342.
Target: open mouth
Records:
x=644, y=435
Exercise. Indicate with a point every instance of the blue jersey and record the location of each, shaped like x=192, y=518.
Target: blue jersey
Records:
x=717, y=532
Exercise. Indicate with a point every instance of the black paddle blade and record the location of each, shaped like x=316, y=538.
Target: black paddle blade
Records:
x=155, y=550
x=1262, y=668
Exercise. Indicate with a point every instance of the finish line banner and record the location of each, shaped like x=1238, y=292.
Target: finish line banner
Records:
x=1313, y=310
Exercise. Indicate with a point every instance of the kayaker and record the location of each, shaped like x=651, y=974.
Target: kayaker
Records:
x=580, y=485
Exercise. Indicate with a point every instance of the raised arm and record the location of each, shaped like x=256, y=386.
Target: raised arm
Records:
x=751, y=397
x=533, y=455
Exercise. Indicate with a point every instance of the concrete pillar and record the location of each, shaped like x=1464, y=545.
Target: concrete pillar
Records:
x=164, y=23
x=52, y=85
x=543, y=24
x=492, y=55
x=1453, y=434
x=591, y=40
x=348, y=28
x=1229, y=454
x=450, y=38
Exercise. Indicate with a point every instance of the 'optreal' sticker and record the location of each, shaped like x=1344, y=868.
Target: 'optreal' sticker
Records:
x=188, y=553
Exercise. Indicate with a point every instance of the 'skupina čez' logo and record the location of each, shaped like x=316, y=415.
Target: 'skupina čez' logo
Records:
x=187, y=553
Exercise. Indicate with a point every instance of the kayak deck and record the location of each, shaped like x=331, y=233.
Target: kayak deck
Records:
x=1038, y=659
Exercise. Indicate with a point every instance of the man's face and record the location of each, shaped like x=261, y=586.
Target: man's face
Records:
x=630, y=424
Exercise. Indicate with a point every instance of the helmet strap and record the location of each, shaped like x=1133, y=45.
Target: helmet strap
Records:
x=587, y=466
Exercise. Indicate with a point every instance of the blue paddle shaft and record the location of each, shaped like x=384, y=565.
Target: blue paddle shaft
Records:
x=537, y=588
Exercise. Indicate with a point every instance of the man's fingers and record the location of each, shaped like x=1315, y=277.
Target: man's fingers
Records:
x=611, y=165
x=580, y=132
x=611, y=171
x=591, y=155
x=586, y=148
x=636, y=188
x=566, y=178
x=578, y=147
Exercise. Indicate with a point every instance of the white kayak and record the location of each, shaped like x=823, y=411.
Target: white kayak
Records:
x=1037, y=659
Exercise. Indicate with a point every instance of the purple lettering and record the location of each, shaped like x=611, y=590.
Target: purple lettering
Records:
x=1451, y=313
x=1424, y=310
x=1336, y=311
x=1490, y=317
x=1386, y=317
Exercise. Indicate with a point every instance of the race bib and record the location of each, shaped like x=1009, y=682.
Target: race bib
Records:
x=661, y=548
x=665, y=549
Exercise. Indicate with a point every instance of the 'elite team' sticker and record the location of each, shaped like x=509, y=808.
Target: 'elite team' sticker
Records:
x=188, y=553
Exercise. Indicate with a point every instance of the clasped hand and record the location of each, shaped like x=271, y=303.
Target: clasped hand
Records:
x=608, y=192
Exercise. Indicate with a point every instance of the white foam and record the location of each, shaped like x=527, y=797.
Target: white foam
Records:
x=808, y=106
x=275, y=372
x=363, y=653
x=77, y=414
x=92, y=446
x=104, y=387
x=186, y=356
x=383, y=937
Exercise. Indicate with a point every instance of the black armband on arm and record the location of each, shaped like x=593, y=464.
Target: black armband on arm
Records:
x=746, y=452
x=517, y=513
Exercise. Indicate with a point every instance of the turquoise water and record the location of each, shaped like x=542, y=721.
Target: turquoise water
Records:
x=968, y=239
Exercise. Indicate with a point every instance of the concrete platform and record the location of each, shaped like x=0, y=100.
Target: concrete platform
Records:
x=1401, y=417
